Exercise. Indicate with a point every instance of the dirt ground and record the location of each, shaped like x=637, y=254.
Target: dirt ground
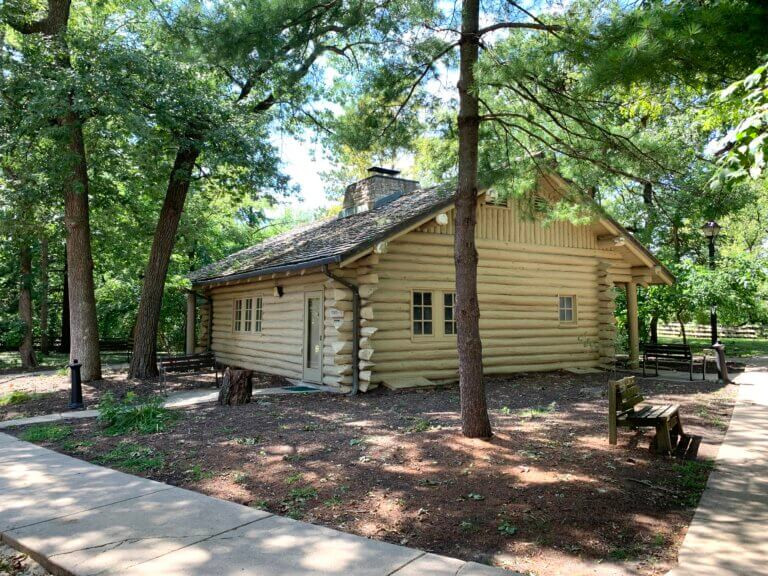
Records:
x=548, y=495
x=14, y=563
x=50, y=391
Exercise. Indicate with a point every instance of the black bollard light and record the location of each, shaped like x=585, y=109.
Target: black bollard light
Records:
x=76, y=392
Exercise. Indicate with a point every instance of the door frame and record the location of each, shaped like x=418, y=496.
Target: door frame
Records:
x=314, y=375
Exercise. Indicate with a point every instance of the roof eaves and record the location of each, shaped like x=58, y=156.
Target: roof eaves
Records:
x=269, y=270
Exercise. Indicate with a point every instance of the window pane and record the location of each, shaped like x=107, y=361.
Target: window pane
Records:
x=568, y=315
x=417, y=327
x=417, y=313
x=427, y=327
x=427, y=313
x=417, y=298
x=427, y=298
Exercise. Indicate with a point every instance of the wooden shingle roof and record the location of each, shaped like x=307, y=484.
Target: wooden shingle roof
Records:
x=327, y=241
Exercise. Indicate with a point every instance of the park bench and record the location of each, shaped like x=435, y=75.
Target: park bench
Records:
x=675, y=354
x=624, y=398
x=124, y=345
x=187, y=364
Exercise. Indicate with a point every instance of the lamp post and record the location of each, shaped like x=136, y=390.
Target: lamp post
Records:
x=711, y=230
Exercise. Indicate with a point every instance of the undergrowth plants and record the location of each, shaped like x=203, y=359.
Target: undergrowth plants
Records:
x=134, y=414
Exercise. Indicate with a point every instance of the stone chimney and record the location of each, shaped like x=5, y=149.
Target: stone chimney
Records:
x=380, y=187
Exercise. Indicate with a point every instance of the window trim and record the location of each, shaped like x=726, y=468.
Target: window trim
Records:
x=256, y=314
x=433, y=320
x=574, y=309
x=453, y=320
x=235, y=328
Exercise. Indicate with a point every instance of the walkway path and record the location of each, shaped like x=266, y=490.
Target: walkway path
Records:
x=77, y=518
x=728, y=533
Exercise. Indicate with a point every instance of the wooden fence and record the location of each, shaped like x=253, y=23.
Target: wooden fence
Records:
x=703, y=331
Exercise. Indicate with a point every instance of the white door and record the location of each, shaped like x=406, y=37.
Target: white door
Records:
x=313, y=337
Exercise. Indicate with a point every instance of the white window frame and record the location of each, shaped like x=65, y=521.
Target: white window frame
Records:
x=563, y=309
x=258, y=314
x=445, y=320
x=423, y=307
x=237, y=315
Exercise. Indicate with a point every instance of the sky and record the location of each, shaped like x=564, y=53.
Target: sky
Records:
x=303, y=161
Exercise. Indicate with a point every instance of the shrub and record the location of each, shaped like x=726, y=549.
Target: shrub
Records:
x=46, y=433
x=134, y=414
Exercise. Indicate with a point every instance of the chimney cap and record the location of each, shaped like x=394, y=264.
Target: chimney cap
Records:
x=385, y=171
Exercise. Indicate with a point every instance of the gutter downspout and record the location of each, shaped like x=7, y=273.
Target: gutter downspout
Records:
x=209, y=300
x=355, y=328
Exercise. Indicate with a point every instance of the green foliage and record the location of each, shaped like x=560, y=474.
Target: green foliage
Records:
x=18, y=397
x=691, y=478
x=133, y=457
x=506, y=528
x=134, y=414
x=46, y=433
x=746, y=144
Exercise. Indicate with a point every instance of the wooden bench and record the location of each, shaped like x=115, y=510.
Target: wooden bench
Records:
x=623, y=411
x=192, y=363
x=676, y=354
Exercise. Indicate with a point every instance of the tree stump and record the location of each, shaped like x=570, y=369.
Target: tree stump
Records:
x=236, y=387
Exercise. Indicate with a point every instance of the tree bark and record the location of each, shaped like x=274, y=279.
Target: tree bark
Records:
x=474, y=409
x=682, y=329
x=654, y=329
x=65, y=340
x=236, y=387
x=84, y=332
x=84, y=327
x=26, y=348
x=45, y=341
x=144, y=358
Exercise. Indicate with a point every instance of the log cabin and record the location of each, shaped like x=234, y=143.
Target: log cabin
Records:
x=367, y=298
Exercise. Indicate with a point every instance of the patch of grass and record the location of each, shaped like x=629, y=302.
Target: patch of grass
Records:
x=240, y=478
x=297, y=499
x=475, y=496
x=691, y=478
x=134, y=414
x=75, y=445
x=196, y=473
x=132, y=457
x=468, y=526
x=420, y=425
x=293, y=478
x=19, y=397
x=738, y=347
x=248, y=440
x=46, y=433
x=332, y=502
x=538, y=411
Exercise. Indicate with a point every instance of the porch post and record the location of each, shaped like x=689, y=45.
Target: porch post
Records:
x=632, y=325
x=189, y=343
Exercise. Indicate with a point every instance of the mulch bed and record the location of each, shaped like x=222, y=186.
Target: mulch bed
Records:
x=547, y=495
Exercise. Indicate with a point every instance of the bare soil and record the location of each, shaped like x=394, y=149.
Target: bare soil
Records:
x=14, y=563
x=547, y=495
x=51, y=391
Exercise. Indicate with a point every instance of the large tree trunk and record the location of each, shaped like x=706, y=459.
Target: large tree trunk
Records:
x=26, y=348
x=45, y=341
x=84, y=328
x=64, y=341
x=84, y=332
x=654, y=329
x=236, y=387
x=144, y=358
x=474, y=410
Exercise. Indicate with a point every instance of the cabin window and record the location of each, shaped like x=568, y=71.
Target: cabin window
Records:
x=567, y=309
x=237, y=323
x=449, y=313
x=422, y=313
x=248, y=315
x=258, y=314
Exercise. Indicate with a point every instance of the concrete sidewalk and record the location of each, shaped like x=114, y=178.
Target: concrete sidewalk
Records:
x=728, y=532
x=77, y=518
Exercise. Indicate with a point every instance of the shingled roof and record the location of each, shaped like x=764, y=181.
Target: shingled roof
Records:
x=327, y=241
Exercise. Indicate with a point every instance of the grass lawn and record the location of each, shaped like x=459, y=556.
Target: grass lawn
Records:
x=735, y=347
x=547, y=495
x=9, y=361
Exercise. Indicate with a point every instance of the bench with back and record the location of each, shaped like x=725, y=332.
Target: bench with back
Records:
x=624, y=398
x=186, y=364
x=675, y=354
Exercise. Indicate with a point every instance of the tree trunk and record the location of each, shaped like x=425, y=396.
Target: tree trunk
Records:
x=144, y=358
x=84, y=328
x=45, y=341
x=84, y=339
x=65, y=340
x=474, y=409
x=654, y=329
x=26, y=348
x=236, y=387
x=682, y=329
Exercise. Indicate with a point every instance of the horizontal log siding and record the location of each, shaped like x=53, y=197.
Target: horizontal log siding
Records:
x=523, y=267
x=277, y=349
